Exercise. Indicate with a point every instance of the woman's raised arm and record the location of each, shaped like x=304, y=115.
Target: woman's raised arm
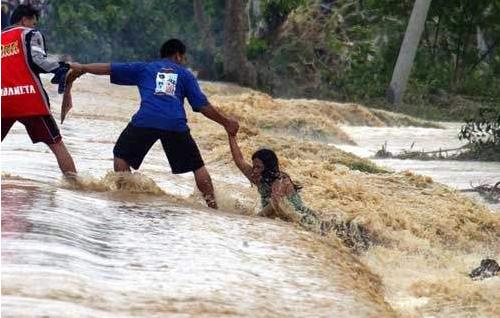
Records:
x=244, y=167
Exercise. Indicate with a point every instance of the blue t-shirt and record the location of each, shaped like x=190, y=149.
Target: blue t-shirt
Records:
x=163, y=85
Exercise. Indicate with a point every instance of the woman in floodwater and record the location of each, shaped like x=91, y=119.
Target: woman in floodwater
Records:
x=275, y=187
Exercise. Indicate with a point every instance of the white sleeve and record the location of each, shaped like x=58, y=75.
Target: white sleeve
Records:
x=39, y=55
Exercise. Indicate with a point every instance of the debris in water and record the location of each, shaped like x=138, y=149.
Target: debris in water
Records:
x=441, y=154
x=489, y=192
x=383, y=153
x=488, y=268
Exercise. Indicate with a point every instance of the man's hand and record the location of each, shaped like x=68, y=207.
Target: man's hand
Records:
x=72, y=76
x=76, y=67
x=232, y=127
x=76, y=70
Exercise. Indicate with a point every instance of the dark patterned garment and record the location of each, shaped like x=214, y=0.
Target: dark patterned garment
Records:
x=352, y=235
x=308, y=217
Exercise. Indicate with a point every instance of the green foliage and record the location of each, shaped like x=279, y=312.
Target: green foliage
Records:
x=354, y=46
x=276, y=11
x=347, y=51
x=104, y=30
x=448, y=57
x=256, y=48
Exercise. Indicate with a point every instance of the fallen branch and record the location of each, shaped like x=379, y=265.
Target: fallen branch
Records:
x=490, y=192
x=421, y=155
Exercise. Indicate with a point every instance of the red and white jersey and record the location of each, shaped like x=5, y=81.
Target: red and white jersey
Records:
x=22, y=91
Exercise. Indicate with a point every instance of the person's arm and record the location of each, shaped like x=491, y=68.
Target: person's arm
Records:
x=244, y=167
x=93, y=68
x=97, y=68
x=38, y=55
x=120, y=73
x=212, y=113
x=77, y=70
x=200, y=103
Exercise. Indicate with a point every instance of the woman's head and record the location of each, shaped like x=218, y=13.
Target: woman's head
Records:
x=265, y=165
x=266, y=168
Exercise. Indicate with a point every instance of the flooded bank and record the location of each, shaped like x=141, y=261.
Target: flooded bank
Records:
x=459, y=175
x=154, y=250
x=69, y=253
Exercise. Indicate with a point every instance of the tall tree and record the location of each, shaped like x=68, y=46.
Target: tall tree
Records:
x=236, y=66
x=255, y=17
x=408, y=50
x=207, y=70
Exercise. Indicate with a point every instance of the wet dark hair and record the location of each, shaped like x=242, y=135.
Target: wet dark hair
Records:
x=171, y=47
x=22, y=11
x=271, y=167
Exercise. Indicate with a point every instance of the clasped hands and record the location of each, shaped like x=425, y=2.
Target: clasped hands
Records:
x=76, y=70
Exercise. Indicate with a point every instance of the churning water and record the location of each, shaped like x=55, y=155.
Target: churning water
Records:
x=86, y=249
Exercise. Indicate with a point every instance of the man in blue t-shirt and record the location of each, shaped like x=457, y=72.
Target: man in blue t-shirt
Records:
x=163, y=85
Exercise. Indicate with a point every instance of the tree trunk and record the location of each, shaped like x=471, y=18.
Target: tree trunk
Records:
x=408, y=51
x=255, y=18
x=208, y=70
x=436, y=37
x=236, y=67
x=488, y=52
x=482, y=47
x=458, y=58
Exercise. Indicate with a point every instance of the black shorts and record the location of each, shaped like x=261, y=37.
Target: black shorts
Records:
x=39, y=128
x=181, y=149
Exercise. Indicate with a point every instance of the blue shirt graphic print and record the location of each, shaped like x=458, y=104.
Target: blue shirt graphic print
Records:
x=162, y=85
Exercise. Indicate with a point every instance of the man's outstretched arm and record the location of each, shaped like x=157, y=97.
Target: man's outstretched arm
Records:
x=212, y=113
x=93, y=68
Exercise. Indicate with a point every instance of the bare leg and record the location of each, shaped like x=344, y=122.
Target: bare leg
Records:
x=121, y=165
x=204, y=184
x=64, y=159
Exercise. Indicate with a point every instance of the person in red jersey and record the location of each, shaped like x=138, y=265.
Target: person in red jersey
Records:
x=23, y=96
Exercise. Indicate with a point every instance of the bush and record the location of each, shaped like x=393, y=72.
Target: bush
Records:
x=256, y=48
x=483, y=131
x=276, y=11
